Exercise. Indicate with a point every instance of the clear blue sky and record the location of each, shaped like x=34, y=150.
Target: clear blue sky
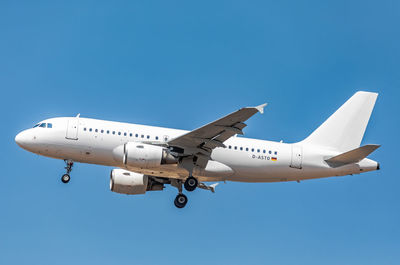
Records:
x=180, y=64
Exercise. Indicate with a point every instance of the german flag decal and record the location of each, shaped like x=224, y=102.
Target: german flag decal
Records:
x=274, y=158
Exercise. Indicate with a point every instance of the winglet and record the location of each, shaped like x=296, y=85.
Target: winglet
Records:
x=212, y=187
x=206, y=187
x=261, y=107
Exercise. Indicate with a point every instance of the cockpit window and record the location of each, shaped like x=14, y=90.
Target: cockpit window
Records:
x=44, y=125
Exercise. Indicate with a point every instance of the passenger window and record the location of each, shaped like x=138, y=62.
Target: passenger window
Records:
x=235, y=147
x=252, y=149
x=113, y=132
x=264, y=151
x=258, y=150
x=119, y=133
x=130, y=134
x=156, y=137
x=276, y=152
x=269, y=152
x=108, y=131
x=148, y=136
x=124, y=134
x=96, y=130
x=241, y=148
x=230, y=147
x=49, y=125
x=90, y=129
x=136, y=135
x=142, y=136
x=247, y=149
x=102, y=131
x=84, y=129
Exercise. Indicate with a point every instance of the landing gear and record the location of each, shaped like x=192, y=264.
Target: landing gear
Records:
x=180, y=200
x=66, y=177
x=190, y=184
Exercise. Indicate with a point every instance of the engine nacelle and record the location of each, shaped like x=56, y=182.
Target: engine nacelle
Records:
x=127, y=182
x=141, y=155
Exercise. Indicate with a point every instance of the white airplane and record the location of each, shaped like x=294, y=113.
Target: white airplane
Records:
x=146, y=157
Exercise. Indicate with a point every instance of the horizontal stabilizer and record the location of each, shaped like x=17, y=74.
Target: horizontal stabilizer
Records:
x=353, y=156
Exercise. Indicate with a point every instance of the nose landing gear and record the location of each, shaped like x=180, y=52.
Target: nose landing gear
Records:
x=66, y=177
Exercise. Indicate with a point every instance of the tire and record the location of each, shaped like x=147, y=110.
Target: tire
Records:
x=190, y=184
x=65, y=178
x=180, y=201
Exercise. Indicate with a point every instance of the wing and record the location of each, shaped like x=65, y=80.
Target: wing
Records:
x=204, y=139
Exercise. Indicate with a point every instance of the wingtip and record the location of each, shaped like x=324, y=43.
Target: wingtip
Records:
x=374, y=146
x=212, y=186
x=261, y=107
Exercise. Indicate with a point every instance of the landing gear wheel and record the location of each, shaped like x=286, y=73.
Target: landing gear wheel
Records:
x=65, y=178
x=180, y=201
x=190, y=184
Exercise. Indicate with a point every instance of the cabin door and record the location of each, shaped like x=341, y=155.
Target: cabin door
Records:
x=297, y=157
x=72, y=128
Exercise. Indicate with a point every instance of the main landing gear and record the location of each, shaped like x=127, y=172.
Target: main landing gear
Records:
x=180, y=200
x=66, y=177
x=190, y=184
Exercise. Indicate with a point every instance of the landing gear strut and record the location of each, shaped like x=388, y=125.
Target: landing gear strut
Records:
x=191, y=183
x=180, y=199
x=66, y=177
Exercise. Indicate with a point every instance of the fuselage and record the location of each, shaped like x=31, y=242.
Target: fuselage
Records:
x=248, y=160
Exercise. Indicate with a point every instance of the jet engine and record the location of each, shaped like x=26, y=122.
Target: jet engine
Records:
x=127, y=182
x=141, y=155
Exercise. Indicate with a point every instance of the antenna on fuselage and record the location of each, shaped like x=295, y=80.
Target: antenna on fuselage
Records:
x=78, y=115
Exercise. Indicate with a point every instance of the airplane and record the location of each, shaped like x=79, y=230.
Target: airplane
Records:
x=146, y=158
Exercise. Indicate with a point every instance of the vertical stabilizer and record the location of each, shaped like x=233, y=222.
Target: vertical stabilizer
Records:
x=345, y=129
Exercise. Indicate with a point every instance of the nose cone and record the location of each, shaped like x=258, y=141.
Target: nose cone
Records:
x=22, y=139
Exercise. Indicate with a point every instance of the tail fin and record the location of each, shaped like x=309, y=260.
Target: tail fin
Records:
x=345, y=129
